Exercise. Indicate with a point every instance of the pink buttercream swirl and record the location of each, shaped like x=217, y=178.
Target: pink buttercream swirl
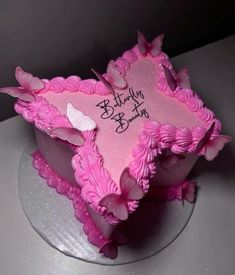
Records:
x=130, y=56
x=57, y=84
x=88, y=86
x=183, y=95
x=183, y=141
x=194, y=104
x=95, y=181
x=144, y=154
x=44, y=115
x=72, y=83
x=166, y=135
x=206, y=115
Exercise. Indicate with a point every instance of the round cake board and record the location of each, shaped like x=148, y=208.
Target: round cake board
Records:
x=153, y=227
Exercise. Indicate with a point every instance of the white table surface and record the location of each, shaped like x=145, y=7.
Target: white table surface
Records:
x=206, y=246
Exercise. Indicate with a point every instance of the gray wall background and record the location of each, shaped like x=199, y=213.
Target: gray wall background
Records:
x=51, y=38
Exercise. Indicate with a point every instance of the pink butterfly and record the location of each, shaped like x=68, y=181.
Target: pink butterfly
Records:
x=71, y=135
x=114, y=78
x=167, y=162
x=214, y=146
x=185, y=191
x=117, y=204
x=183, y=80
x=154, y=48
x=28, y=83
x=170, y=78
x=109, y=250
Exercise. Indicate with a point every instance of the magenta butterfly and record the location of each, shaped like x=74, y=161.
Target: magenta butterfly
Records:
x=214, y=146
x=185, y=191
x=181, y=79
x=28, y=84
x=114, y=79
x=154, y=48
x=117, y=204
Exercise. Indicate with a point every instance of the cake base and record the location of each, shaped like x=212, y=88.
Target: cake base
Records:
x=149, y=230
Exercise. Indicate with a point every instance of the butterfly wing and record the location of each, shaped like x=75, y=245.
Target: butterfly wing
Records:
x=168, y=162
x=205, y=139
x=129, y=187
x=116, y=205
x=109, y=250
x=78, y=120
x=215, y=146
x=156, y=45
x=104, y=81
x=171, y=81
x=28, y=81
x=142, y=43
x=69, y=134
x=19, y=93
x=189, y=192
x=183, y=78
x=114, y=76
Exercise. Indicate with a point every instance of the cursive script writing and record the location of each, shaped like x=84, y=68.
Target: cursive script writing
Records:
x=109, y=108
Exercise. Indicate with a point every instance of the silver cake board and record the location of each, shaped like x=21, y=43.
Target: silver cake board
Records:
x=153, y=227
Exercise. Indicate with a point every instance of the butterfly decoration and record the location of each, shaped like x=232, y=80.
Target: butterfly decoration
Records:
x=185, y=191
x=29, y=84
x=167, y=162
x=110, y=248
x=213, y=146
x=154, y=48
x=180, y=79
x=80, y=123
x=117, y=203
x=71, y=135
x=113, y=79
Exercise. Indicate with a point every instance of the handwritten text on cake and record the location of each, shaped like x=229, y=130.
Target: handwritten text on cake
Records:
x=111, y=108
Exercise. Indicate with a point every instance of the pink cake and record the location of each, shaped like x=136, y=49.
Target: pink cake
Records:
x=134, y=133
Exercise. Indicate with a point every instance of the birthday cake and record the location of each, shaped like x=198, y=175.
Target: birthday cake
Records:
x=106, y=144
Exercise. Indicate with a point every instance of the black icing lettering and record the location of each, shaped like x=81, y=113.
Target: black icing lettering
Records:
x=122, y=120
x=123, y=123
x=108, y=109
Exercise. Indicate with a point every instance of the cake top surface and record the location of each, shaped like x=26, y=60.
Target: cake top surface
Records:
x=119, y=124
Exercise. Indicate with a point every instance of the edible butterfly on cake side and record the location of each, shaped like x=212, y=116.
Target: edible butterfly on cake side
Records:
x=115, y=140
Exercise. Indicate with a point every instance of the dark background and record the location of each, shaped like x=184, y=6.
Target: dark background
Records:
x=59, y=38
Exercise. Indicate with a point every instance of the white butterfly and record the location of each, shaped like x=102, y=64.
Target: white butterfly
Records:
x=78, y=120
x=80, y=123
x=28, y=83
